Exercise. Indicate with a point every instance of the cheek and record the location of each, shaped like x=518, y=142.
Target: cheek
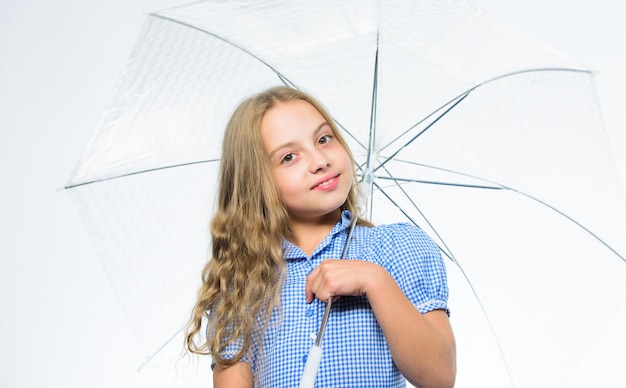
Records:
x=282, y=183
x=347, y=163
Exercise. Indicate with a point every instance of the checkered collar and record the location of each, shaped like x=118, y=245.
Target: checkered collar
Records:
x=292, y=251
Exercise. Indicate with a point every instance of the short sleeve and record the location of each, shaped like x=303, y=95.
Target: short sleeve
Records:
x=415, y=263
x=230, y=350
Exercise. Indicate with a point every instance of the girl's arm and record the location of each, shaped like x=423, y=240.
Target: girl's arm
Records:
x=238, y=375
x=422, y=345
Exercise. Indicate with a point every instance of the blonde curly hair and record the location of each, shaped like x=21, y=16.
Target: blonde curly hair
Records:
x=242, y=281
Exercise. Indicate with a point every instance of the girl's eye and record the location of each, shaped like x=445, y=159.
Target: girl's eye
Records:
x=288, y=158
x=324, y=139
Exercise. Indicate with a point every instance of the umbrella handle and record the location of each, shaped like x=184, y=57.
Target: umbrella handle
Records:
x=310, y=368
x=315, y=353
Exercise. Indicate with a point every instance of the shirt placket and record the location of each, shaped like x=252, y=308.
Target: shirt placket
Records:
x=313, y=312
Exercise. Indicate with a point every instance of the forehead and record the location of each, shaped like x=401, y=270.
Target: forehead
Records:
x=292, y=111
x=291, y=117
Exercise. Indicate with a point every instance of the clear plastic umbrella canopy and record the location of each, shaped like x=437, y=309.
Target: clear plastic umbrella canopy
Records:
x=489, y=140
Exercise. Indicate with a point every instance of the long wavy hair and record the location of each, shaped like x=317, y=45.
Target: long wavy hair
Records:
x=242, y=281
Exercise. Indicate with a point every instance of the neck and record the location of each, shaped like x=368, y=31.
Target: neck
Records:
x=309, y=233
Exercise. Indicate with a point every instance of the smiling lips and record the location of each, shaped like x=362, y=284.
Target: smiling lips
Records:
x=327, y=183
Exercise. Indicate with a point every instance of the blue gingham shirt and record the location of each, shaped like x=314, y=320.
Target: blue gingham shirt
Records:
x=355, y=353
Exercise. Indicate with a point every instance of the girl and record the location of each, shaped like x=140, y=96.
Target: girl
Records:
x=287, y=193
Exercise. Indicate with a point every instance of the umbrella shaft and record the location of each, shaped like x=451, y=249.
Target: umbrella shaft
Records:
x=329, y=304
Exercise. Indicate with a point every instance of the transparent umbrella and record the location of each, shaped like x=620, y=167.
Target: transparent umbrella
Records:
x=489, y=140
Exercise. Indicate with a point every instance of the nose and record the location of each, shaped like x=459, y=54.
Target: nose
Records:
x=319, y=161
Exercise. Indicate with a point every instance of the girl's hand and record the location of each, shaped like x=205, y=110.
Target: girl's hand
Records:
x=341, y=277
x=422, y=345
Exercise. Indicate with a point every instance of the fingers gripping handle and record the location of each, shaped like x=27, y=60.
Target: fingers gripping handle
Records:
x=310, y=368
x=307, y=380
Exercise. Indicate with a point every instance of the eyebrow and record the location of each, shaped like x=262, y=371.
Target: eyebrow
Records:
x=291, y=143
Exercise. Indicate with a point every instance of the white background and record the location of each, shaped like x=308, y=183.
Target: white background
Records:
x=60, y=324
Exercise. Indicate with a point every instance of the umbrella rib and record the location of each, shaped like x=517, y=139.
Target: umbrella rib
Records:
x=499, y=186
x=159, y=350
x=533, y=70
x=457, y=102
x=448, y=253
x=491, y=184
x=374, y=108
x=464, y=94
x=447, y=250
x=281, y=76
x=410, y=180
x=347, y=132
x=71, y=186
x=460, y=96
x=286, y=81
x=452, y=258
x=571, y=219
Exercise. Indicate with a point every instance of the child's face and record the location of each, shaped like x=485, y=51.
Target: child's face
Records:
x=312, y=170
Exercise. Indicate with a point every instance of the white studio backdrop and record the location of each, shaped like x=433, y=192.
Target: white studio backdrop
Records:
x=61, y=325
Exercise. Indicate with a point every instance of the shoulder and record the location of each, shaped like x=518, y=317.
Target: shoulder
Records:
x=403, y=236
x=415, y=262
x=404, y=248
x=396, y=244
